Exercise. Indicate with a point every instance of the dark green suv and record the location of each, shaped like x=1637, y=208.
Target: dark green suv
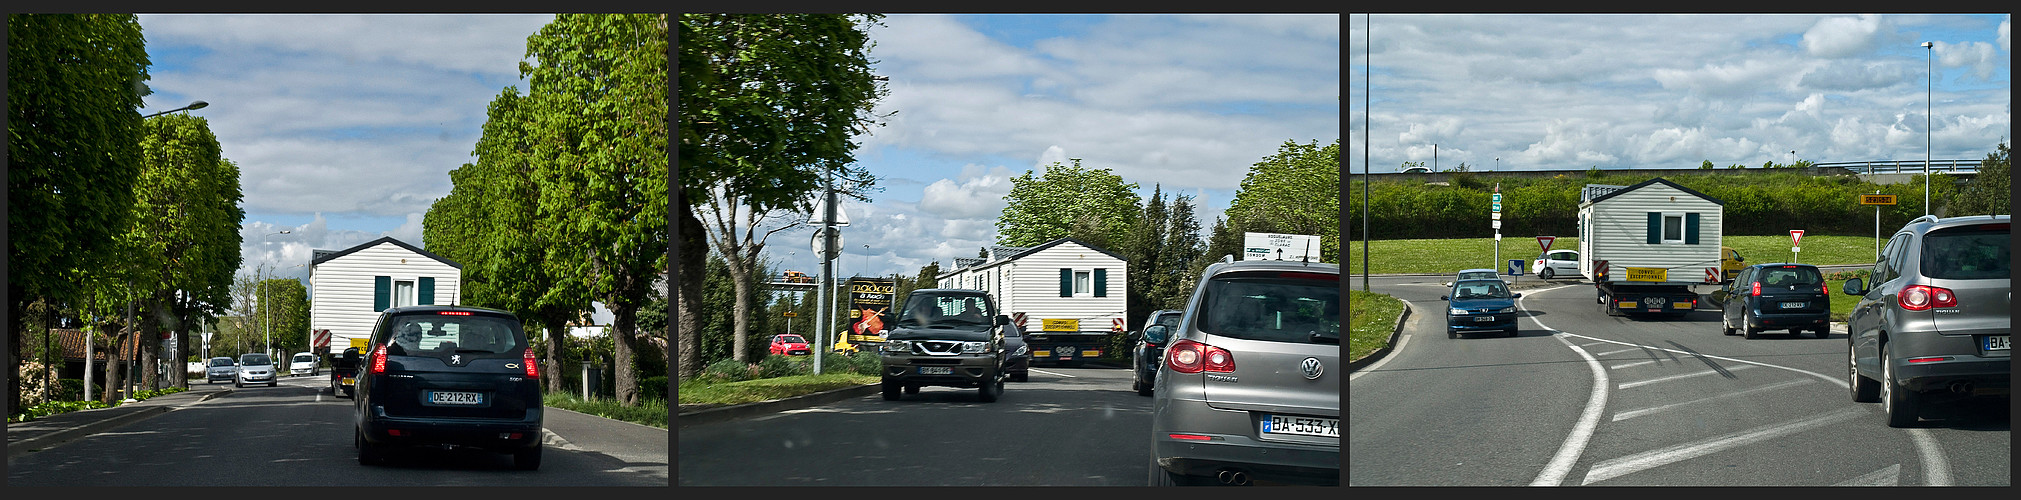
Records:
x=948, y=338
x=1932, y=320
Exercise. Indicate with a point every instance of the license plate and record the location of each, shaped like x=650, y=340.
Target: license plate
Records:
x=1627, y=304
x=1302, y=426
x=1484, y=319
x=350, y=381
x=1680, y=305
x=1792, y=305
x=1998, y=342
x=455, y=398
x=936, y=370
x=1042, y=354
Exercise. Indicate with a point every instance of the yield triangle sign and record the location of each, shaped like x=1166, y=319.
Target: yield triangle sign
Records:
x=1544, y=242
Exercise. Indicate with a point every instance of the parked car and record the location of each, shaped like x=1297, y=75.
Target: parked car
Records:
x=221, y=368
x=1249, y=391
x=1480, y=305
x=1730, y=263
x=1473, y=274
x=1933, y=321
x=790, y=345
x=449, y=375
x=1019, y=361
x=1775, y=297
x=1150, y=349
x=255, y=368
x=950, y=338
x=303, y=363
x=1556, y=263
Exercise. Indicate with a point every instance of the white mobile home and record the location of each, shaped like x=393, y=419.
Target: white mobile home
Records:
x=1653, y=231
x=351, y=286
x=1068, y=295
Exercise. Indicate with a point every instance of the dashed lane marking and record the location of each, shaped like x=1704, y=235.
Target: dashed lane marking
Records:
x=1639, y=383
x=1638, y=462
x=1624, y=415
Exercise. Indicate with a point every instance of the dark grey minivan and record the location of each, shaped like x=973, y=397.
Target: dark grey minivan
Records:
x=449, y=376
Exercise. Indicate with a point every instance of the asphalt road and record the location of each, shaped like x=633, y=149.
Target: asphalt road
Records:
x=1065, y=427
x=296, y=434
x=1580, y=398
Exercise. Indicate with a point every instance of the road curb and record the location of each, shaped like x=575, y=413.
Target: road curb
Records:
x=732, y=412
x=1372, y=357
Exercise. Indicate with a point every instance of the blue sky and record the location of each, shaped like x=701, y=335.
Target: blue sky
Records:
x=1183, y=102
x=1571, y=91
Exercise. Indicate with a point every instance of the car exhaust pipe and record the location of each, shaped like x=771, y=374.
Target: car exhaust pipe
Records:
x=1232, y=477
x=1961, y=387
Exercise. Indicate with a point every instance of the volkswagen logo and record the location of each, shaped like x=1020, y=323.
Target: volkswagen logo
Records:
x=1311, y=368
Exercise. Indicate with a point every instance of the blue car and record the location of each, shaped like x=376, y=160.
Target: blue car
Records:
x=1480, y=305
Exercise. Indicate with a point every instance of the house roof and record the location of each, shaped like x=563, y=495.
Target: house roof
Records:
x=72, y=342
x=1595, y=193
x=322, y=256
x=1020, y=253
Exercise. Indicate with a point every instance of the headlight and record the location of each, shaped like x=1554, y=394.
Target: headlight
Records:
x=974, y=347
x=897, y=346
x=1507, y=310
x=1457, y=312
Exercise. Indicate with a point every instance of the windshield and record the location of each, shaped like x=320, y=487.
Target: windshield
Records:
x=1967, y=252
x=1479, y=275
x=1272, y=306
x=1791, y=276
x=792, y=339
x=430, y=334
x=928, y=309
x=221, y=361
x=255, y=359
x=1481, y=289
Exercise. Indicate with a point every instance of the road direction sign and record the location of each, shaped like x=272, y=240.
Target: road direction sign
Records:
x=1496, y=215
x=1497, y=224
x=1544, y=242
x=1498, y=198
x=1877, y=199
x=1498, y=206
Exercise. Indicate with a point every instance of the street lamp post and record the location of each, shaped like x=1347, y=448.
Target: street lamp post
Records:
x=1929, y=87
x=192, y=105
x=1792, y=157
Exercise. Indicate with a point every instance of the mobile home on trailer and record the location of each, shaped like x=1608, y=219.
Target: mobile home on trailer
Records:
x=1066, y=295
x=1645, y=245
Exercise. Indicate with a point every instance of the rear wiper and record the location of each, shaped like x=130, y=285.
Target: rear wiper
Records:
x=1325, y=338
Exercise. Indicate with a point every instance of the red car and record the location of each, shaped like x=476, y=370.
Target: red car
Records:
x=790, y=345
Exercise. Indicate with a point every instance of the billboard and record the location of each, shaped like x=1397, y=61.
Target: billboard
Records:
x=870, y=307
x=1274, y=246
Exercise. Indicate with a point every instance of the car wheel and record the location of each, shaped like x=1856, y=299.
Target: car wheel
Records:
x=273, y=382
x=368, y=453
x=527, y=459
x=912, y=389
x=1546, y=274
x=1822, y=332
x=1144, y=388
x=1020, y=376
x=1900, y=403
x=1510, y=333
x=890, y=391
x=1162, y=477
x=239, y=383
x=990, y=389
x=1864, y=390
x=1747, y=327
x=1452, y=334
x=1725, y=328
x=347, y=393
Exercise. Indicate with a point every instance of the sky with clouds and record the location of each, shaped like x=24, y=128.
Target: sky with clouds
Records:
x=1185, y=103
x=1569, y=92
x=344, y=127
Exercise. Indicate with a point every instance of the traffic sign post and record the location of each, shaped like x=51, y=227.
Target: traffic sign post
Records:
x=1877, y=199
x=1795, y=243
x=1495, y=214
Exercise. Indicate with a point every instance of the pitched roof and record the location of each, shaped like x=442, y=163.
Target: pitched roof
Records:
x=1020, y=253
x=1599, y=192
x=322, y=256
x=72, y=342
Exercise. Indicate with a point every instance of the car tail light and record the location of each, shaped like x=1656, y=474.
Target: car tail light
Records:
x=1187, y=356
x=532, y=366
x=1190, y=437
x=1926, y=360
x=379, y=360
x=1924, y=297
x=1757, y=289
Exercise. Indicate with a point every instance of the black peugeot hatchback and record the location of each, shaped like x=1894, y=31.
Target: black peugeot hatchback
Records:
x=449, y=376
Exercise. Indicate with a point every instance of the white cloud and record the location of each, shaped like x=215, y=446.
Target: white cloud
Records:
x=978, y=194
x=1835, y=37
x=2006, y=35
x=1979, y=56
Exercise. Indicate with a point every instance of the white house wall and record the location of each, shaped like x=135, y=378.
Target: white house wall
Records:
x=1031, y=285
x=1620, y=231
x=344, y=286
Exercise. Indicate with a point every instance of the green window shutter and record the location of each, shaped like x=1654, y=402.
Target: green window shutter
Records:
x=382, y=292
x=1101, y=282
x=1690, y=229
x=1066, y=282
x=1655, y=227
x=427, y=292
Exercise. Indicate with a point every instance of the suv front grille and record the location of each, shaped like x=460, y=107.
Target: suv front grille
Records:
x=936, y=347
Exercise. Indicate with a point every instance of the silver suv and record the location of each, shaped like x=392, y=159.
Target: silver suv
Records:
x=1249, y=391
x=1935, y=325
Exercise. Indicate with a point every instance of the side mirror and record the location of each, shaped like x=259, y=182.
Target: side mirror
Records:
x=1000, y=320
x=1738, y=258
x=1445, y=297
x=1155, y=334
x=1516, y=296
x=1855, y=287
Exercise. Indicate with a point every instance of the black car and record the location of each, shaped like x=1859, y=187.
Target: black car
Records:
x=1775, y=297
x=950, y=338
x=449, y=375
x=1150, y=349
x=1019, y=364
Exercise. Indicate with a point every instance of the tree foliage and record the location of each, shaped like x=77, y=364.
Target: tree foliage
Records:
x=1987, y=193
x=1296, y=191
x=183, y=240
x=1092, y=205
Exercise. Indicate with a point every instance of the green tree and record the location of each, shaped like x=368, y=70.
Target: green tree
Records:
x=1093, y=205
x=183, y=239
x=597, y=103
x=1296, y=191
x=74, y=82
x=769, y=104
x=1705, y=166
x=1987, y=193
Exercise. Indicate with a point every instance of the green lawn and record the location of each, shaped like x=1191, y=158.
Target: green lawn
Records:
x=765, y=389
x=1372, y=317
x=1450, y=256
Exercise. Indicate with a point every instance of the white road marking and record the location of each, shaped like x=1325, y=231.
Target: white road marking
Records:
x=1625, y=365
x=1638, y=462
x=1936, y=470
x=1639, y=383
x=1619, y=416
x=1589, y=419
x=1615, y=352
x=1887, y=476
x=1051, y=373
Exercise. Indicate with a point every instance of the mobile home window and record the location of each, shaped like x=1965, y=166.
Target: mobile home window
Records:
x=1673, y=228
x=403, y=293
x=1080, y=282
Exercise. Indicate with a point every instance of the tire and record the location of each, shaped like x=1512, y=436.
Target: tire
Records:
x=912, y=389
x=1724, y=329
x=368, y=453
x=890, y=391
x=527, y=459
x=1510, y=333
x=1452, y=334
x=990, y=390
x=1143, y=388
x=1901, y=404
x=274, y=382
x=1546, y=274
x=1021, y=376
x=1162, y=477
x=1865, y=390
x=1822, y=332
x=347, y=393
x=1748, y=328
x=239, y=383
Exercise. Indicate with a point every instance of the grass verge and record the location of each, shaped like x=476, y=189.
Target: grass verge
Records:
x=766, y=389
x=1373, y=317
x=651, y=412
x=1451, y=255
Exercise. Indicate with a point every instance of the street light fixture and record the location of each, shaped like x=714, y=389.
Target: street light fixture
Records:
x=1929, y=87
x=192, y=105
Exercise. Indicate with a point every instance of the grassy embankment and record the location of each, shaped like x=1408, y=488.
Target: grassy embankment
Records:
x=1450, y=256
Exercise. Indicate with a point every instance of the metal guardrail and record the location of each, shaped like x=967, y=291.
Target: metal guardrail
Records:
x=1904, y=166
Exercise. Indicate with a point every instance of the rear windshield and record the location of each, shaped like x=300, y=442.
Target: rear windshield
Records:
x=1272, y=306
x=305, y=358
x=1967, y=252
x=255, y=359
x=428, y=334
x=1784, y=276
x=221, y=361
